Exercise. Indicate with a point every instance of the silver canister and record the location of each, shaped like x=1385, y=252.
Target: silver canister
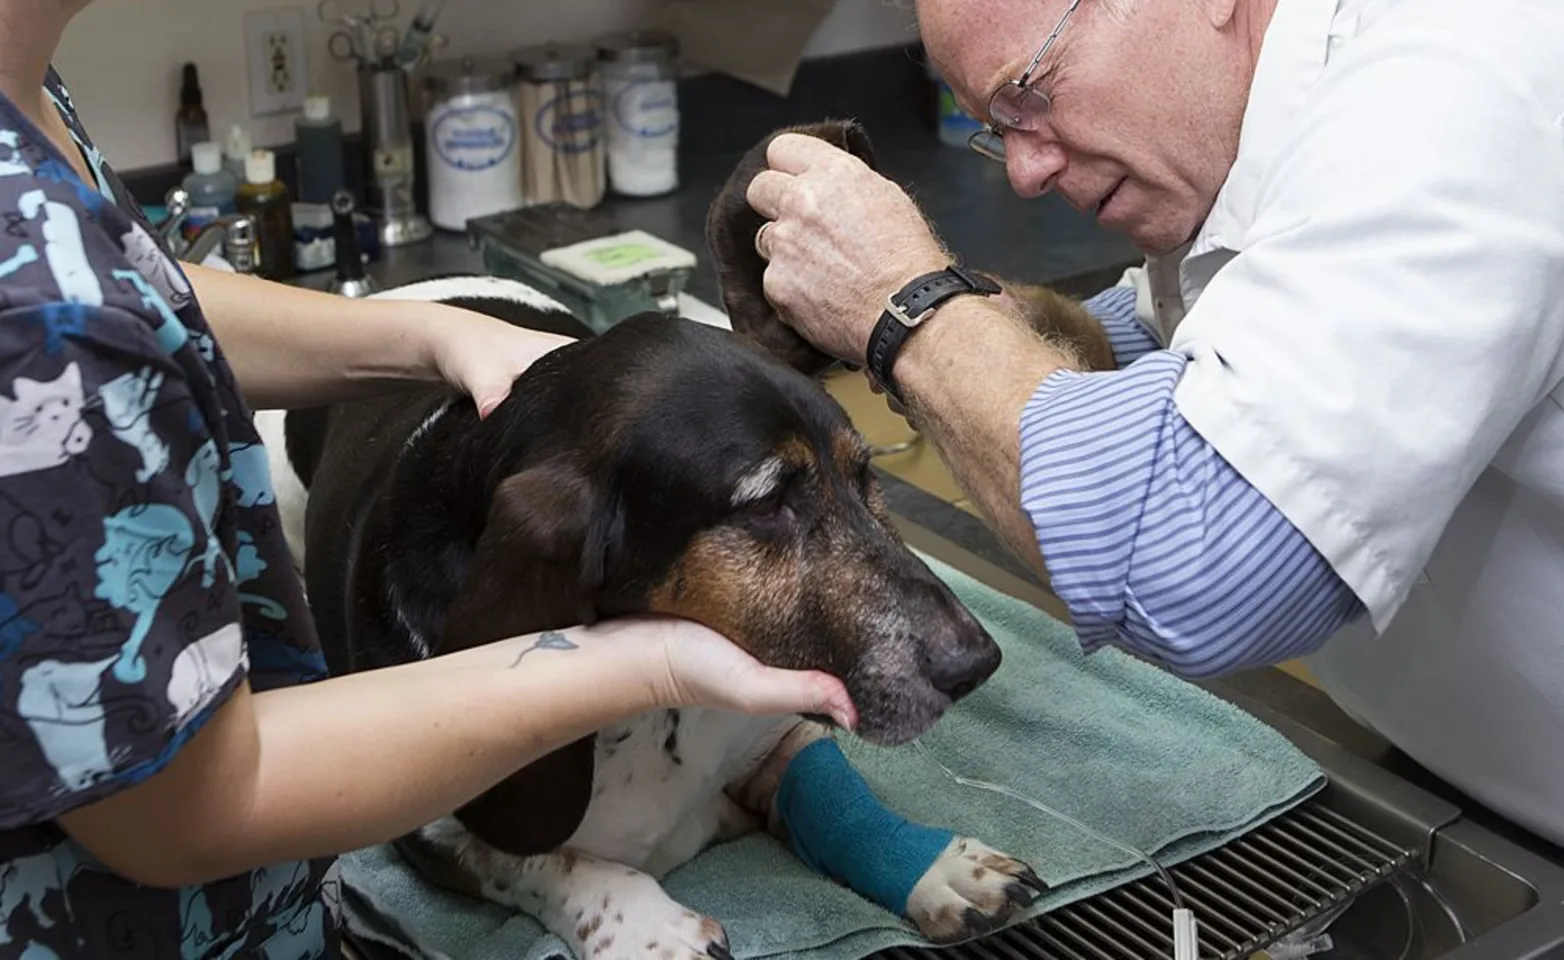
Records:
x=473, y=147
x=640, y=73
x=560, y=107
x=388, y=145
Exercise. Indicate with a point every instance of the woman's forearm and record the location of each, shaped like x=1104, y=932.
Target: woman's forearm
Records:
x=292, y=347
x=322, y=768
x=422, y=741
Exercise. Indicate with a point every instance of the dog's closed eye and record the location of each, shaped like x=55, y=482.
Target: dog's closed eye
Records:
x=772, y=516
x=761, y=497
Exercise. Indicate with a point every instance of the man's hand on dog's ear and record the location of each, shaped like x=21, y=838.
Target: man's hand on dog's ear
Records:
x=844, y=238
x=833, y=320
x=732, y=225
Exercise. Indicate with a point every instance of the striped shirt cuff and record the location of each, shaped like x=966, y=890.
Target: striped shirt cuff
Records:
x=1154, y=541
x=1114, y=309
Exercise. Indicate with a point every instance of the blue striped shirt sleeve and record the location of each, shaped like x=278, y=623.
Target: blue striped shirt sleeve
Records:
x=1154, y=541
x=1114, y=309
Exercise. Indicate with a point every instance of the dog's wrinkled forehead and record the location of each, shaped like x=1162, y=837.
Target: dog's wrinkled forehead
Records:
x=798, y=456
x=692, y=403
x=757, y=438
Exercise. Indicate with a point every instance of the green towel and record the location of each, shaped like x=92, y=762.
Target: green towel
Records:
x=1150, y=760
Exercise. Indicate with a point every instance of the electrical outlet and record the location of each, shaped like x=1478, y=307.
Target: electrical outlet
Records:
x=274, y=46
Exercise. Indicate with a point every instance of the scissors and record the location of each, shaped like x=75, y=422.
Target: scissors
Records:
x=380, y=11
x=363, y=34
x=357, y=43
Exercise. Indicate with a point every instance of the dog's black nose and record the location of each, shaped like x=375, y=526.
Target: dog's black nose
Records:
x=960, y=668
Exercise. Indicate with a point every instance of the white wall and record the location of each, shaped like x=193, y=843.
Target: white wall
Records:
x=122, y=58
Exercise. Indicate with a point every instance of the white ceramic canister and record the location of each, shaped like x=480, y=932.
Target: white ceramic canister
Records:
x=640, y=75
x=472, y=142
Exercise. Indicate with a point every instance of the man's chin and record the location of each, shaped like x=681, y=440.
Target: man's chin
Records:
x=1156, y=236
x=1157, y=240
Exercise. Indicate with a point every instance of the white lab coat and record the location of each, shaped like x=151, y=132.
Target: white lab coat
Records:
x=1374, y=319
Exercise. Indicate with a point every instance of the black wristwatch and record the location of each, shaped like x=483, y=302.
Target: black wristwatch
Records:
x=909, y=307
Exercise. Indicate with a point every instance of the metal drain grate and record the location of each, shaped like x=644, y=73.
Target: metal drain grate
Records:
x=1245, y=895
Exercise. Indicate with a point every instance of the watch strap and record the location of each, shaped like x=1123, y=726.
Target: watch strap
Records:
x=907, y=308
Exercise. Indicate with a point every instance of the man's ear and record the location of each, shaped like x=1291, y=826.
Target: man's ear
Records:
x=731, y=225
x=539, y=562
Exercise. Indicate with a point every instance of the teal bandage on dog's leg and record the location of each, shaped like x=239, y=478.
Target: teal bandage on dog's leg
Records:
x=841, y=829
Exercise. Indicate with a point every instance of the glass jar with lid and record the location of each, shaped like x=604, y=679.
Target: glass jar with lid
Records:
x=560, y=107
x=640, y=71
x=472, y=143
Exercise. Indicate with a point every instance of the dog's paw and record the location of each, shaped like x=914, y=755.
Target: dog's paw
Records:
x=638, y=920
x=970, y=890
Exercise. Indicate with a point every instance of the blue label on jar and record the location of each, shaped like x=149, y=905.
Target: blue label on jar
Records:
x=474, y=138
x=570, y=123
x=647, y=108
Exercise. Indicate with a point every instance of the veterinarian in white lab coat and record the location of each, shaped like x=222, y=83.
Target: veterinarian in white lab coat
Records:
x=1336, y=426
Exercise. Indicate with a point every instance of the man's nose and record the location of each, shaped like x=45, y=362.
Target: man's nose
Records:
x=1033, y=162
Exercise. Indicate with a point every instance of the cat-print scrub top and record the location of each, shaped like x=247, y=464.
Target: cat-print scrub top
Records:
x=143, y=573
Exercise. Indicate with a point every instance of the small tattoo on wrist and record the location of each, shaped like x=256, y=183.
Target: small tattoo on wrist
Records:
x=549, y=640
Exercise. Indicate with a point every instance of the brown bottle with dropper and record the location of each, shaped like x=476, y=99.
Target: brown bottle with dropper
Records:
x=265, y=200
x=190, y=126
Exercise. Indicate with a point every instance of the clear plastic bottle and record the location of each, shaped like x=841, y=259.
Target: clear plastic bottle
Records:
x=212, y=189
x=318, y=139
x=265, y=200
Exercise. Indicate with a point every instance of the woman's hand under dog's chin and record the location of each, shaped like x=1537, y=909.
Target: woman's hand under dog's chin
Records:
x=689, y=665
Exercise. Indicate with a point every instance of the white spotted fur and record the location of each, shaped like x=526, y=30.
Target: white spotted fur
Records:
x=449, y=288
x=653, y=813
x=967, y=877
x=292, y=498
x=601, y=909
x=758, y=483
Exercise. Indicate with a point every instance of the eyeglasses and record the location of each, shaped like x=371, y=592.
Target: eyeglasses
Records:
x=1016, y=105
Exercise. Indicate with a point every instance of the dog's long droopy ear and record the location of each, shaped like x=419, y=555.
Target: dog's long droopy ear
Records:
x=525, y=577
x=731, y=225
x=531, y=548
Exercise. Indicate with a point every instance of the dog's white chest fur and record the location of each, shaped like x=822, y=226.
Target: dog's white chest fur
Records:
x=658, y=787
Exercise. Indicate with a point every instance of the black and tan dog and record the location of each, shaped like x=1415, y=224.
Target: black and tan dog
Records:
x=665, y=466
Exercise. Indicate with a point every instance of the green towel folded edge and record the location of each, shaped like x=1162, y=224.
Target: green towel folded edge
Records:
x=1137, y=753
